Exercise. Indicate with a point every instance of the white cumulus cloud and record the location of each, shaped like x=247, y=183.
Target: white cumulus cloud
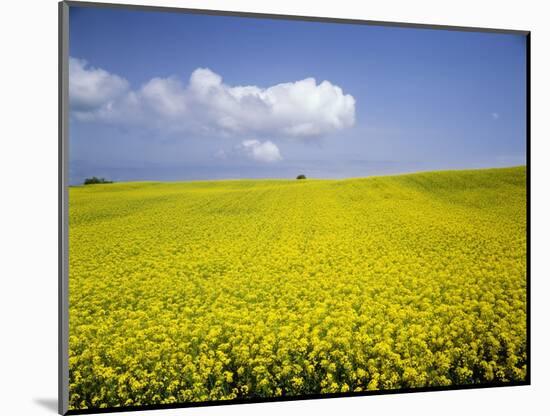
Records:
x=206, y=105
x=91, y=88
x=261, y=151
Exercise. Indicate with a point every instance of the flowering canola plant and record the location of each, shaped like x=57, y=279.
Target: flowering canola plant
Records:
x=208, y=291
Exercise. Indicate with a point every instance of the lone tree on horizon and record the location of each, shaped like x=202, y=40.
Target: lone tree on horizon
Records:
x=94, y=180
x=301, y=176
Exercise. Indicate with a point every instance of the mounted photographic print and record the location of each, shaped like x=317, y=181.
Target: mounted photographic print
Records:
x=263, y=207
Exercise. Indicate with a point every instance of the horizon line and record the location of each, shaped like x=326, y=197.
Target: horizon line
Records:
x=309, y=178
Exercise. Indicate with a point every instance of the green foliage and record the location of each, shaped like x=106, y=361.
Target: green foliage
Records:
x=301, y=176
x=95, y=180
x=217, y=290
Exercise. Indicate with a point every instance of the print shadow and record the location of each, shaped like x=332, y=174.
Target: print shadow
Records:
x=49, y=404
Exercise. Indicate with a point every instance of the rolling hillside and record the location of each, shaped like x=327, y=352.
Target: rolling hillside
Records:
x=195, y=291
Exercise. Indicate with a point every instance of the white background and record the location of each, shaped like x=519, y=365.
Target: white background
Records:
x=28, y=205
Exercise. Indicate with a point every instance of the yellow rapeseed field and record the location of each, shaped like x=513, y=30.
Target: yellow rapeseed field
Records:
x=200, y=291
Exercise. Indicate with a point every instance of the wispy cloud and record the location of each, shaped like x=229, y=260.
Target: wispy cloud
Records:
x=208, y=106
x=495, y=116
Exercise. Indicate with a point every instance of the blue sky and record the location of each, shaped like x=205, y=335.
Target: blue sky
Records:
x=156, y=96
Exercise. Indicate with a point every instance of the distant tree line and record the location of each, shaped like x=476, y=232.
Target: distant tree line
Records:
x=94, y=180
x=301, y=177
